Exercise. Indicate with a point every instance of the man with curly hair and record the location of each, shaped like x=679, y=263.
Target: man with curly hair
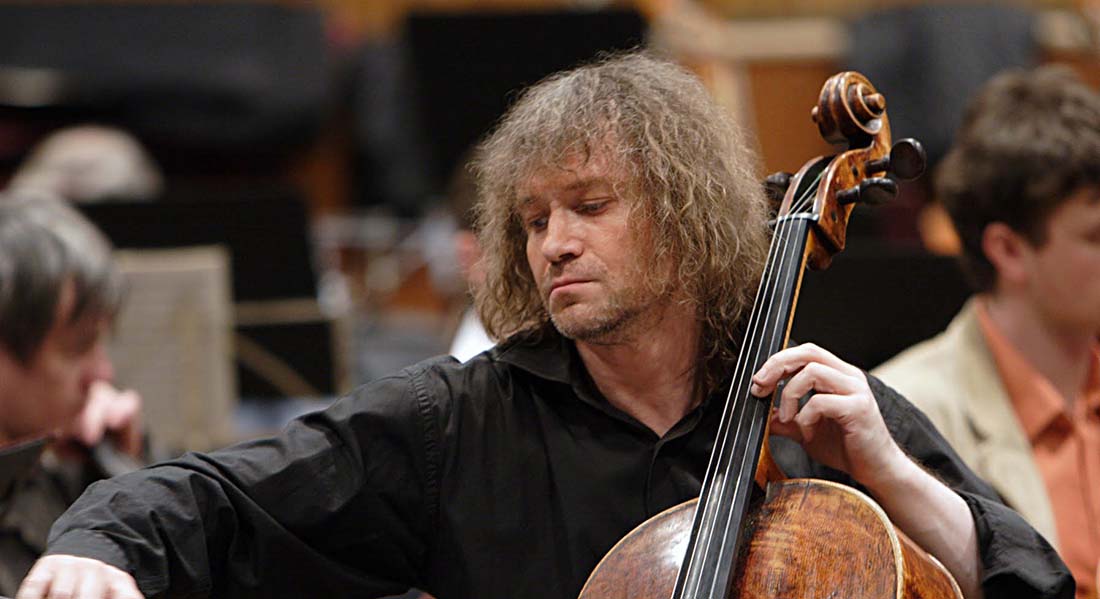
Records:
x=1014, y=381
x=624, y=234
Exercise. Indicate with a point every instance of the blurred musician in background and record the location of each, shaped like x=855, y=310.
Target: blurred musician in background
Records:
x=58, y=293
x=1014, y=381
x=624, y=234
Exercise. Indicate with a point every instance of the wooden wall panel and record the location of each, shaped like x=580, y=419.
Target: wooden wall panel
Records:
x=783, y=93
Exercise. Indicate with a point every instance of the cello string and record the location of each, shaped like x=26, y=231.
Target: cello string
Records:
x=755, y=417
x=756, y=330
x=716, y=472
x=714, y=484
x=716, y=543
x=757, y=326
x=717, y=467
x=752, y=414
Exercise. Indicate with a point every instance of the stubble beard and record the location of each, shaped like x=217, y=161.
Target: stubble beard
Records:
x=618, y=317
x=608, y=324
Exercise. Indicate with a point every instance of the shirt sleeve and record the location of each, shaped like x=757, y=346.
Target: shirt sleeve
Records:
x=341, y=503
x=1017, y=561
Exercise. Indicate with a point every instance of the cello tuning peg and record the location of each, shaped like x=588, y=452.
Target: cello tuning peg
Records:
x=776, y=184
x=848, y=196
x=877, y=190
x=907, y=159
x=873, y=191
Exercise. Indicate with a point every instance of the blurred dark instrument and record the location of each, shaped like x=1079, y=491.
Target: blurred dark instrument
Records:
x=21, y=456
x=800, y=537
x=111, y=460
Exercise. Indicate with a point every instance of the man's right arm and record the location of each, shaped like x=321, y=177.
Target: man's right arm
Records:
x=339, y=503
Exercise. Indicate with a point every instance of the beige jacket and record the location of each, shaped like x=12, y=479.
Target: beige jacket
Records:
x=952, y=378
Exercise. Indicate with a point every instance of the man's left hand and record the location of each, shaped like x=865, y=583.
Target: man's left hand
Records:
x=840, y=425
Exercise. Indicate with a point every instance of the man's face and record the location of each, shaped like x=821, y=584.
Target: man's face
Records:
x=1064, y=272
x=587, y=260
x=50, y=390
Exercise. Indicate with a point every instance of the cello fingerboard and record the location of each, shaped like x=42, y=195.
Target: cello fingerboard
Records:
x=728, y=485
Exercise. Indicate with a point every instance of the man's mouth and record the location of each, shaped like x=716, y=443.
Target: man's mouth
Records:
x=566, y=284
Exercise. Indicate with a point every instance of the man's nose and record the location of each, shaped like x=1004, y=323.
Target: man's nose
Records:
x=562, y=240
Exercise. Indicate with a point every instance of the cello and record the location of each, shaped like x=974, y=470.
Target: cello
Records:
x=799, y=537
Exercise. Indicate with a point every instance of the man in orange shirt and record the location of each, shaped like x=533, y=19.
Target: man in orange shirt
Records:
x=1014, y=381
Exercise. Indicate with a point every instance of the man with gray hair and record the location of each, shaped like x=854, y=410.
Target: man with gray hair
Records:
x=59, y=291
x=624, y=233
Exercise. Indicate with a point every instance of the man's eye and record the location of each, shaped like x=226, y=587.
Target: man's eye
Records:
x=536, y=224
x=592, y=207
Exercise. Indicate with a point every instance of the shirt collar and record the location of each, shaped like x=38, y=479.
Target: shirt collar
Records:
x=1037, y=403
x=544, y=353
x=548, y=355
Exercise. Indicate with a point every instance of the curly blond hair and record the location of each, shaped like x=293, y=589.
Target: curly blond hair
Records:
x=685, y=165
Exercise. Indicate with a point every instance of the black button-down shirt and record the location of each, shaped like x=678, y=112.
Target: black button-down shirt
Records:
x=508, y=476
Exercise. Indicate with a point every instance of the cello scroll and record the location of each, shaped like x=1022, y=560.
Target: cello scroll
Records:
x=850, y=111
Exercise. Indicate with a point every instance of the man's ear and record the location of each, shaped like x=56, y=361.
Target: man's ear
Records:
x=1008, y=251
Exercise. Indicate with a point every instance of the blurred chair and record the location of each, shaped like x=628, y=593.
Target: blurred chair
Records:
x=289, y=348
x=173, y=344
x=279, y=324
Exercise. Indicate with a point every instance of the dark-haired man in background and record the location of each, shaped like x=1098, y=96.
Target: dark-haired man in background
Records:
x=1014, y=381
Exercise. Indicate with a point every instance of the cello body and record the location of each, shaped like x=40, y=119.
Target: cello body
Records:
x=806, y=538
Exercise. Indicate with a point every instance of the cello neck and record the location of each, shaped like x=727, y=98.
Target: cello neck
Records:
x=708, y=566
